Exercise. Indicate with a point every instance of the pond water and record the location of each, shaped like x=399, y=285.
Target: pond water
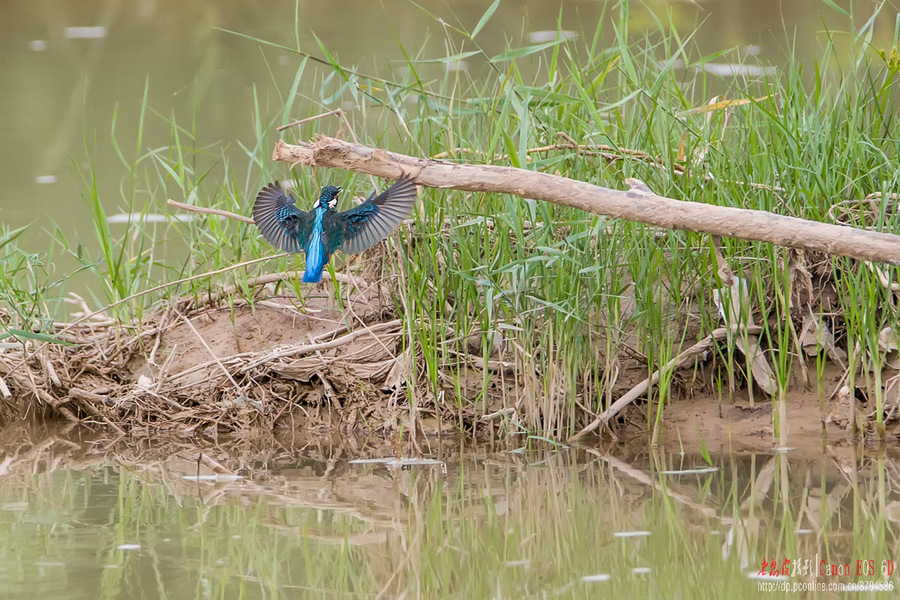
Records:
x=75, y=76
x=83, y=516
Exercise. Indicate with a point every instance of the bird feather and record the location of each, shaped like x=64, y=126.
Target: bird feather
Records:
x=375, y=219
x=280, y=221
x=322, y=230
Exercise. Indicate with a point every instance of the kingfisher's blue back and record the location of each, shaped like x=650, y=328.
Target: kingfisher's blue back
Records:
x=323, y=230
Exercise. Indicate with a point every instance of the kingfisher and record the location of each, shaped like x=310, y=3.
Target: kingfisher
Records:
x=323, y=230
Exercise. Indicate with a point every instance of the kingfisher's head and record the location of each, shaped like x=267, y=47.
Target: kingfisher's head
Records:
x=329, y=197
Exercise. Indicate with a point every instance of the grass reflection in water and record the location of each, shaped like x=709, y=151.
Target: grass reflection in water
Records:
x=470, y=522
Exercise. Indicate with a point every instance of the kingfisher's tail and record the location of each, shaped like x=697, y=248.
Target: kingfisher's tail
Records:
x=315, y=261
x=312, y=275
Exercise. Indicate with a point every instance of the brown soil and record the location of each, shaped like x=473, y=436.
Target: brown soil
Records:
x=812, y=422
x=346, y=366
x=334, y=364
x=702, y=420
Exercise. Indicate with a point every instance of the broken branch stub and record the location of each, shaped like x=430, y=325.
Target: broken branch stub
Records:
x=636, y=204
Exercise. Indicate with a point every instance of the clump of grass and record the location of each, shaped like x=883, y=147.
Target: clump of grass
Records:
x=25, y=285
x=559, y=286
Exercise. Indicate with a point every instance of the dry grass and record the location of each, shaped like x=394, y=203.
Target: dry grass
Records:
x=229, y=366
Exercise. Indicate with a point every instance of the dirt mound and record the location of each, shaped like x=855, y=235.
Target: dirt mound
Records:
x=336, y=362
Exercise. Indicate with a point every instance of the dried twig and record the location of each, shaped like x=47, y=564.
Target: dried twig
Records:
x=210, y=211
x=640, y=389
x=300, y=350
x=211, y=353
x=503, y=412
x=85, y=402
x=236, y=358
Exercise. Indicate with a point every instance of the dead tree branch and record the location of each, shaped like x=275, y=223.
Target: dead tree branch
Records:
x=636, y=204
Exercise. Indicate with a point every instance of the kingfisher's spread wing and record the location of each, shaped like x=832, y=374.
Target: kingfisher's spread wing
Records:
x=280, y=221
x=374, y=219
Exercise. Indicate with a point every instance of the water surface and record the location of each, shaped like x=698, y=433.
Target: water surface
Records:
x=82, y=516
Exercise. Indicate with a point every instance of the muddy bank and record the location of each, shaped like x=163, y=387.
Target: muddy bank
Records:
x=341, y=365
x=814, y=420
x=349, y=365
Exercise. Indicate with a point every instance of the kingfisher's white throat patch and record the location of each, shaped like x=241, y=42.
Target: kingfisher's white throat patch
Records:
x=334, y=201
